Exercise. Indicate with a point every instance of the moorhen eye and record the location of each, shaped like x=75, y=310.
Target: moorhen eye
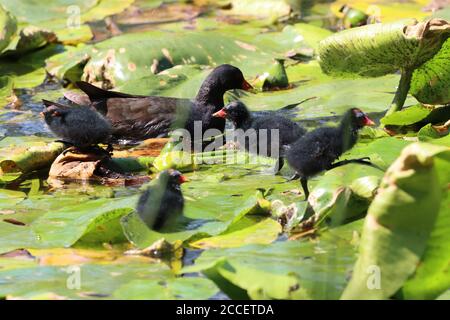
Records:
x=288, y=131
x=160, y=204
x=317, y=150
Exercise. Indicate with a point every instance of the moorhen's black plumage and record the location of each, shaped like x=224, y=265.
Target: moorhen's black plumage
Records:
x=161, y=203
x=135, y=117
x=288, y=131
x=317, y=150
x=79, y=126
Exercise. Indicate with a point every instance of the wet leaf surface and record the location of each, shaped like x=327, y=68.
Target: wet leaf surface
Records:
x=244, y=233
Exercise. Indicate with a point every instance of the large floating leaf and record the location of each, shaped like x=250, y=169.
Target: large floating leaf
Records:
x=268, y=9
x=95, y=280
x=95, y=221
x=311, y=34
x=28, y=39
x=5, y=89
x=407, y=116
x=264, y=232
x=65, y=18
x=283, y=270
x=344, y=194
x=382, y=152
x=379, y=49
x=170, y=289
x=26, y=71
x=431, y=277
x=15, y=237
x=431, y=82
x=112, y=63
x=323, y=96
x=25, y=160
x=8, y=25
x=396, y=230
x=92, y=222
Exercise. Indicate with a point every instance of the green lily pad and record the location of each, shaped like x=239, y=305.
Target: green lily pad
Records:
x=170, y=289
x=28, y=39
x=283, y=270
x=326, y=96
x=8, y=25
x=66, y=19
x=264, y=232
x=86, y=222
x=96, y=221
x=95, y=281
x=311, y=34
x=15, y=237
x=10, y=198
x=272, y=9
x=431, y=277
x=111, y=63
x=396, y=231
x=344, y=194
x=382, y=152
x=427, y=133
x=6, y=85
x=380, y=49
x=431, y=82
x=407, y=116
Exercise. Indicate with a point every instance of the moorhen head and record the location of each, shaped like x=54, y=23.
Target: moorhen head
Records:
x=223, y=78
x=162, y=202
x=357, y=119
x=318, y=150
x=79, y=126
x=236, y=112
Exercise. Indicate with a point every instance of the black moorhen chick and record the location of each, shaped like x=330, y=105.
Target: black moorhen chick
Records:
x=288, y=131
x=161, y=203
x=317, y=150
x=78, y=126
x=135, y=117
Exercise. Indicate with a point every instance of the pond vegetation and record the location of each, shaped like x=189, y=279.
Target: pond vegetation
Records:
x=365, y=232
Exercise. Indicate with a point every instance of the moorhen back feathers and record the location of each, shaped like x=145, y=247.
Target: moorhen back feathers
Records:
x=317, y=150
x=162, y=202
x=80, y=126
x=137, y=117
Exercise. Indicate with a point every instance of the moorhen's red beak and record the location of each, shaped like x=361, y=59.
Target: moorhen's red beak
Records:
x=246, y=86
x=368, y=121
x=220, y=114
x=183, y=179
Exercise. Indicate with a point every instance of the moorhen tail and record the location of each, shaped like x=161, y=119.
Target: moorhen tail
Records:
x=317, y=150
x=161, y=203
x=288, y=131
x=78, y=126
x=135, y=117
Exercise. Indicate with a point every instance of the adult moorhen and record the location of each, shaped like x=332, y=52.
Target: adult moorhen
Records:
x=288, y=131
x=135, y=117
x=78, y=126
x=161, y=203
x=317, y=150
